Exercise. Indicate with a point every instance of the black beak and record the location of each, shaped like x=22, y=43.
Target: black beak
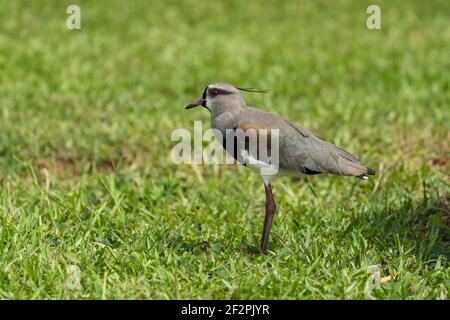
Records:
x=198, y=102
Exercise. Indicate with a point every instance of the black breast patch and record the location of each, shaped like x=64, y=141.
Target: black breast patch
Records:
x=309, y=171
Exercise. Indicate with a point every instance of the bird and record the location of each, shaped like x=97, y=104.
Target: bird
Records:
x=299, y=151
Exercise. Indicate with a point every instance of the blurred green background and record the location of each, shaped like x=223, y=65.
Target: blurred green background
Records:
x=92, y=207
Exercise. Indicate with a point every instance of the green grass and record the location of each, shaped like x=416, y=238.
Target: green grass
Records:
x=87, y=182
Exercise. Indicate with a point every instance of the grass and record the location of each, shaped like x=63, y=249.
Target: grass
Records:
x=91, y=206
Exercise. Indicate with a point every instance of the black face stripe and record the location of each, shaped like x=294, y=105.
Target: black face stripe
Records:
x=220, y=91
x=204, y=93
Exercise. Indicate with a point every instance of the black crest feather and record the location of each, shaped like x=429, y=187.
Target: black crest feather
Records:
x=253, y=90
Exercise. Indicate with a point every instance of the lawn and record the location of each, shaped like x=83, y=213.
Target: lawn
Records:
x=92, y=207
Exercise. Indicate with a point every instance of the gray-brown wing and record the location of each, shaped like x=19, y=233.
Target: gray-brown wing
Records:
x=311, y=154
x=302, y=151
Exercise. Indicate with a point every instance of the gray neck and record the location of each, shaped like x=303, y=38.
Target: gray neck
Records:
x=226, y=116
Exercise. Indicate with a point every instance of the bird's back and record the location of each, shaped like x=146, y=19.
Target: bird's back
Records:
x=302, y=151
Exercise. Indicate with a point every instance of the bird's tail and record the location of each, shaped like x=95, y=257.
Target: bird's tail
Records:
x=369, y=172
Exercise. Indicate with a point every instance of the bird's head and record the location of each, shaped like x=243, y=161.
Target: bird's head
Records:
x=220, y=97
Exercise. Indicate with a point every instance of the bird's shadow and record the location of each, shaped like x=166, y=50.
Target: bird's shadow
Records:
x=215, y=246
x=425, y=223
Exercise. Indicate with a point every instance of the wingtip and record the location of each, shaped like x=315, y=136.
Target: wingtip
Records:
x=369, y=172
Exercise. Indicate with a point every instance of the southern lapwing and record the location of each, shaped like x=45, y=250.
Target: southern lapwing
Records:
x=299, y=151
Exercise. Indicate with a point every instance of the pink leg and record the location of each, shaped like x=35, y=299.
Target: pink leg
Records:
x=270, y=212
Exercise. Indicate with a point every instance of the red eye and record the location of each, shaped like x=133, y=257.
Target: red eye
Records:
x=213, y=92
